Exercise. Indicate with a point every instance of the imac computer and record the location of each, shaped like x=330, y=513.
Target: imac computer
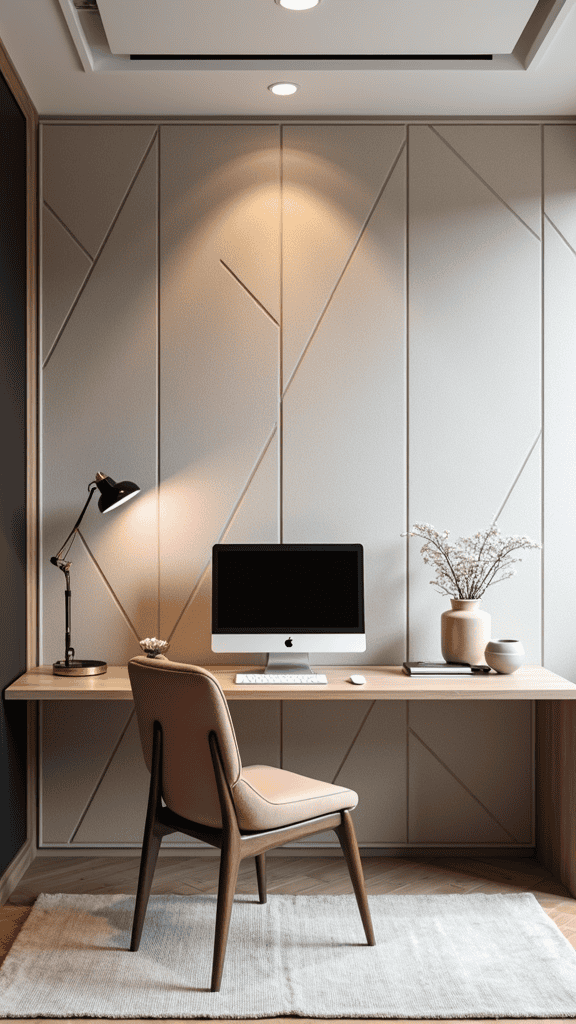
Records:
x=287, y=601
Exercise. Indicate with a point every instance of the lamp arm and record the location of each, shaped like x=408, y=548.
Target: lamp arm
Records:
x=57, y=558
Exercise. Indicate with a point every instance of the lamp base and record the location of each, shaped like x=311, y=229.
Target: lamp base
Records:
x=79, y=668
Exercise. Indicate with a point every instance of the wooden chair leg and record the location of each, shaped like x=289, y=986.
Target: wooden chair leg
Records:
x=347, y=838
x=150, y=848
x=228, y=876
x=261, y=875
x=153, y=834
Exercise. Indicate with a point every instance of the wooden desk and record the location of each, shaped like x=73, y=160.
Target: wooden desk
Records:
x=555, y=737
x=383, y=682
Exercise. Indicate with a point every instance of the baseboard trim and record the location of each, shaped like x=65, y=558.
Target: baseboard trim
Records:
x=16, y=868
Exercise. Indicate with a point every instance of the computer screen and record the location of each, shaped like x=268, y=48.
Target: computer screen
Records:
x=287, y=598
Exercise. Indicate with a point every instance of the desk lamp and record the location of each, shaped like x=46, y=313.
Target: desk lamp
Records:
x=111, y=495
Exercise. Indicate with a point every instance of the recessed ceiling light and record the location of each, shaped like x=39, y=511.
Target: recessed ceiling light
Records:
x=298, y=5
x=283, y=88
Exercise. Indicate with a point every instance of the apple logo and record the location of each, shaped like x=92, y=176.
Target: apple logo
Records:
x=288, y=642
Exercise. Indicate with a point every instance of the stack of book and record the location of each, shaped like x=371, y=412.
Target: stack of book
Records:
x=442, y=668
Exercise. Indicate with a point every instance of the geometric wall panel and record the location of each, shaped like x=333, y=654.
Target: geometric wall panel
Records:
x=118, y=809
x=332, y=177
x=559, y=405
x=473, y=745
x=347, y=396
x=508, y=159
x=321, y=756
x=361, y=746
x=254, y=520
x=257, y=727
x=560, y=179
x=474, y=362
x=100, y=630
x=86, y=174
x=108, y=420
x=318, y=333
x=219, y=329
x=441, y=810
x=65, y=266
x=515, y=605
x=71, y=771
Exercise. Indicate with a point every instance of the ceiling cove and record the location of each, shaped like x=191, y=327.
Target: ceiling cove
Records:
x=355, y=35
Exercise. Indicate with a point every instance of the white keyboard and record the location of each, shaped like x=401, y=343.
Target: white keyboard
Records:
x=285, y=679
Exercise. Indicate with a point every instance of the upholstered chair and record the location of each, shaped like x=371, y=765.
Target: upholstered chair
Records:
x=199, y=786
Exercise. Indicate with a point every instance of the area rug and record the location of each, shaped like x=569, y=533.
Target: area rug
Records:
x=450, y=956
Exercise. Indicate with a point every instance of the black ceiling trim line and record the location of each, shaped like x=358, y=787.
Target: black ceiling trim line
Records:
x=312, y=56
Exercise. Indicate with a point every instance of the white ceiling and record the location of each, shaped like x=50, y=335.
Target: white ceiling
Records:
x=333, y=27
x=66, y=57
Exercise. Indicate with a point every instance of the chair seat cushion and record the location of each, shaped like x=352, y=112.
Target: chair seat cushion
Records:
x=267, y=797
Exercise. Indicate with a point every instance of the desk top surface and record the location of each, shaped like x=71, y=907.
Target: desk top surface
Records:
x=383, y=682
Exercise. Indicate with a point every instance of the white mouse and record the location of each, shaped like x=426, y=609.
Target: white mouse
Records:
x=359, y=680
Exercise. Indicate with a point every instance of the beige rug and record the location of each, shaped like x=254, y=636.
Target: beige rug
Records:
x=436, y=957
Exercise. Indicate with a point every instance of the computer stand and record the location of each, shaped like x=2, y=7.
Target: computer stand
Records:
x=291, y=663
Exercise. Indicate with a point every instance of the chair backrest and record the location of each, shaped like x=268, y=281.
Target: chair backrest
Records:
x=189, y=703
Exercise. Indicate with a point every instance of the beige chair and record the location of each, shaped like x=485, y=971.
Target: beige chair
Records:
x=190, y=749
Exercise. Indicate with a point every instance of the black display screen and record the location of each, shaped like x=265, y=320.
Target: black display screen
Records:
x=280, y=588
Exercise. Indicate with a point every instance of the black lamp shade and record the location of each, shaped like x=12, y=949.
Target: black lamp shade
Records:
x=113, y=494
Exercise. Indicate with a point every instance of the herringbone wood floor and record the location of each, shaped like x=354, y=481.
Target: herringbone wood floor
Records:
x=105, y=874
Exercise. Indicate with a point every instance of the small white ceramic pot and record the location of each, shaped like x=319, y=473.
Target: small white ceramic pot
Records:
x=504, y=655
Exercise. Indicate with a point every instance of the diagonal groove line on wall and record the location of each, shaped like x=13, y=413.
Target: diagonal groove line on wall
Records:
x=101, y=777
x=225, y=530
x=358, y=731
x=345, y=267
x=251, y=294
x=464, y=786
x=558, y=232
x=484, y=182
x=108, y=586
x=68, y=231
x=100, y=250
x=518, y=475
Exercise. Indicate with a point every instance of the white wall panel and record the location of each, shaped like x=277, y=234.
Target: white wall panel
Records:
x=515, y=604
x=344, y=411
x=507, y=158
x=163, y=365
x=255, y=520
x=99, y=413
x=560, y=399
x=560, y=179
x=87, y=172
x=332, y=177
x=474, y=361
x=117, y=810
x=441, y=810
x=64, y=268
x=358, y=745
x=219, y=376
x=485, y=748
x=70, y=772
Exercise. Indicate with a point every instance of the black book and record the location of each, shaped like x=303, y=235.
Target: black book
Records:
x=442, y=668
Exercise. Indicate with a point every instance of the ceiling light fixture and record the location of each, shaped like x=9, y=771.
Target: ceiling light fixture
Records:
x=283, y=88
x=298, y=5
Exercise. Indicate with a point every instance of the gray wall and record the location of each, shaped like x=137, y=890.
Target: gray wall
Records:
x=311, y=333
x=13, y=480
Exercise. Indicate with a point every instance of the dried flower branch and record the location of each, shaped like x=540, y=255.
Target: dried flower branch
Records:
x=467, y=568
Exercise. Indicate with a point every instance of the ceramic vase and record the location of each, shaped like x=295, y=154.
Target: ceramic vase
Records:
x=465, y=632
